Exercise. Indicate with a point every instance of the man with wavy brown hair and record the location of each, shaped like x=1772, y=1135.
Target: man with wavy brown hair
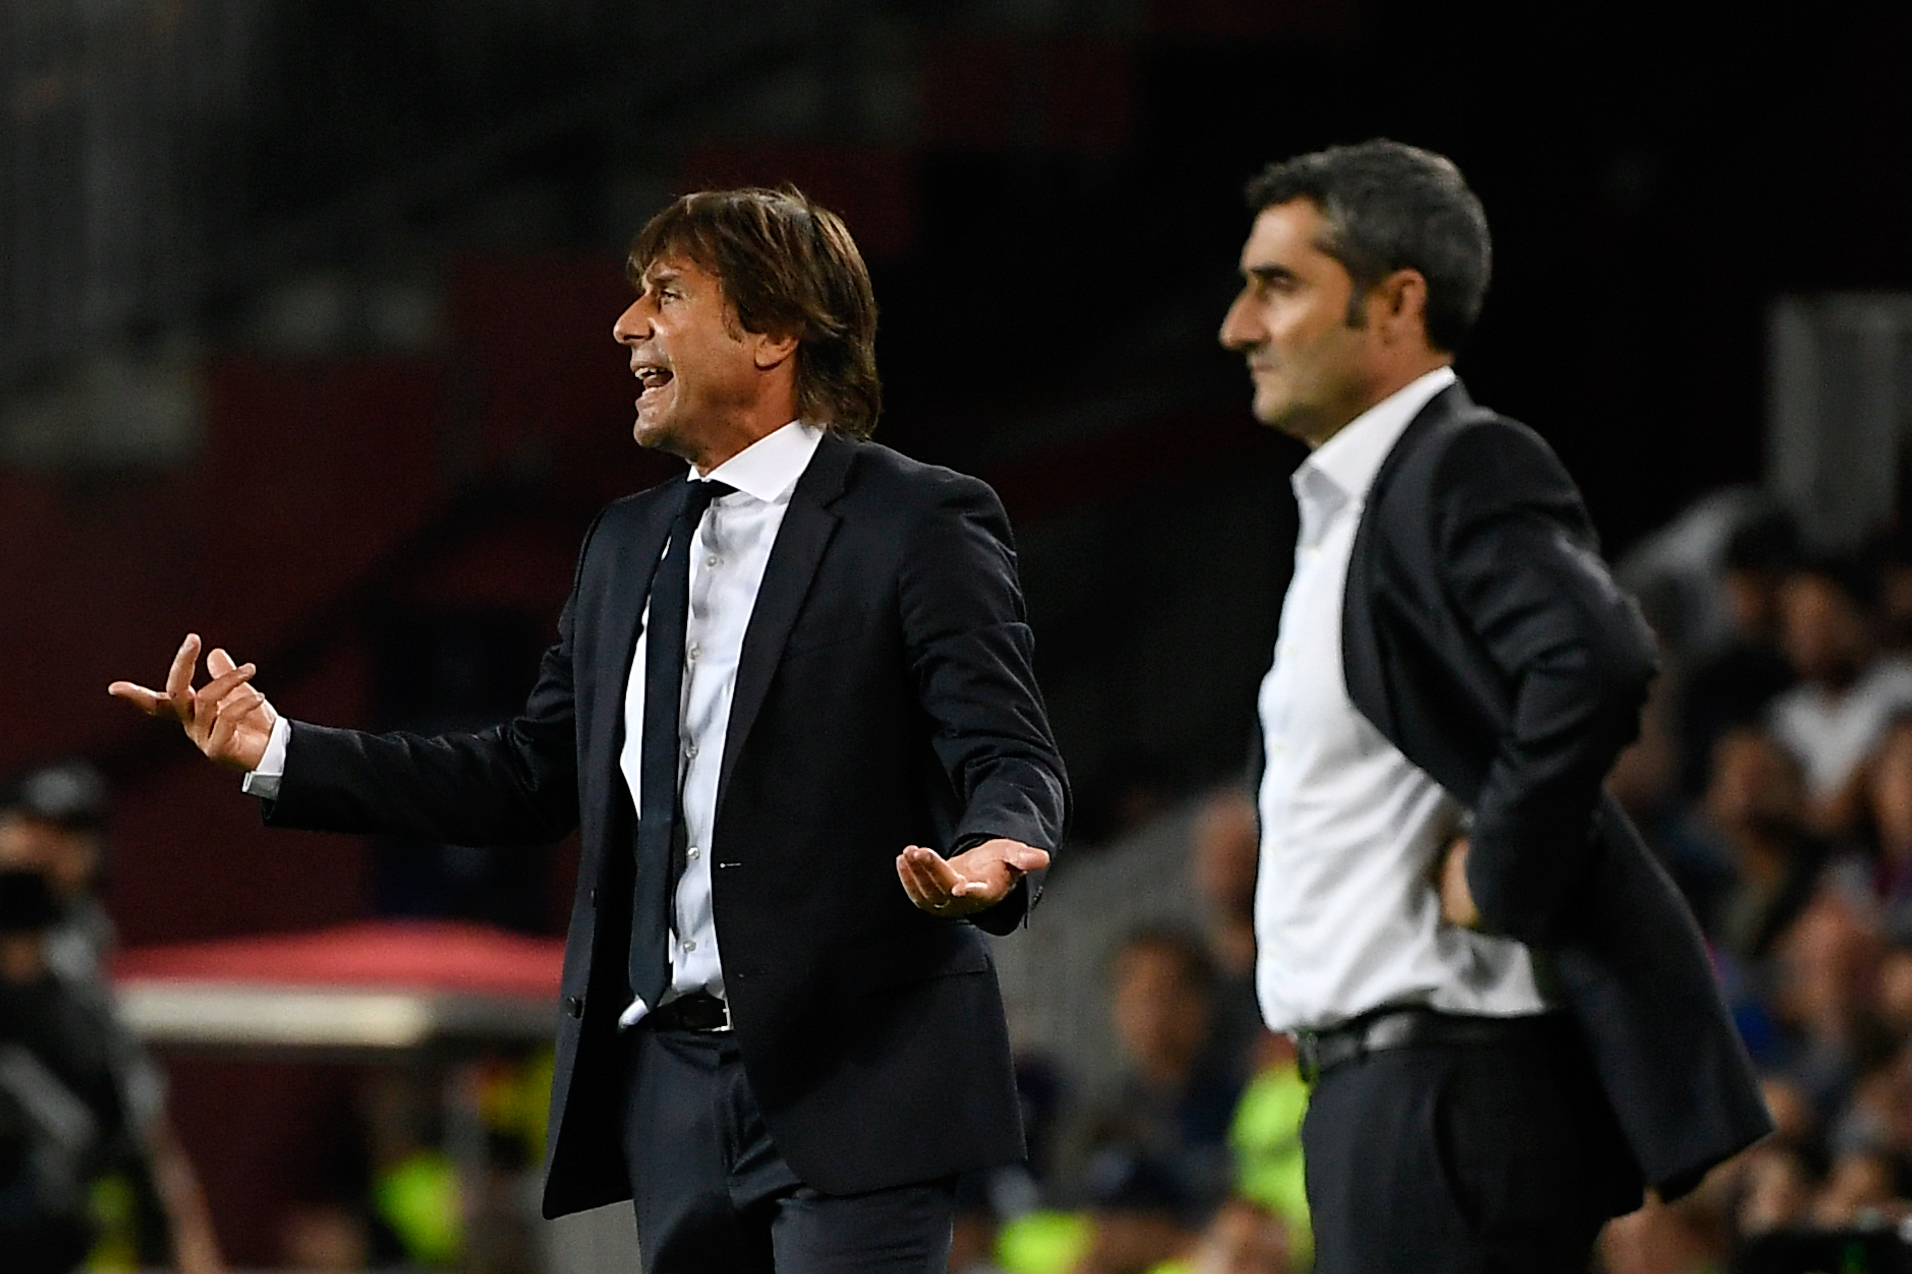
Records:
x=791, y=707
x=788, y=266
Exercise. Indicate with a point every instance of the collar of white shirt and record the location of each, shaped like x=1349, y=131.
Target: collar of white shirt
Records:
x=1342, y=469
x=768, y=468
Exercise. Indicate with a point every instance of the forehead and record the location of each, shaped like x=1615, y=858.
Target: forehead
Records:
x=676, y=265
x=1287, y=234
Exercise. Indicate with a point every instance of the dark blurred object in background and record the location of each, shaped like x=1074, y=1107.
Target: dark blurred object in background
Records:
x=436, y=671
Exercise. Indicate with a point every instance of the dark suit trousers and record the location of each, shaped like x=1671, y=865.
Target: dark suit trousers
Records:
x=714, y=1196
x=1463, y=1159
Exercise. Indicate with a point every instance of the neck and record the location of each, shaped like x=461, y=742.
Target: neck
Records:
x=1386, y=385
x=726, y=441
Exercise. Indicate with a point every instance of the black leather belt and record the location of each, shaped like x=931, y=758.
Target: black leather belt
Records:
x=1318, y=1052
x=701, y=1011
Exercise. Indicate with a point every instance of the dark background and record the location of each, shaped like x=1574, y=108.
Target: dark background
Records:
x=388, y=242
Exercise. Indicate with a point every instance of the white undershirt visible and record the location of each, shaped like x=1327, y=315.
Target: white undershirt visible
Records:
x=731, y=550
x=1347, y=917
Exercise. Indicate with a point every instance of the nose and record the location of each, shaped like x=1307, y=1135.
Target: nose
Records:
x=1239, y=329
x=632, y=325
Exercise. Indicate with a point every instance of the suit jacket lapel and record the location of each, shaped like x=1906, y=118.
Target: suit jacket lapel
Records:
x=794, y=558
x=1363, y=666
x=634, y=565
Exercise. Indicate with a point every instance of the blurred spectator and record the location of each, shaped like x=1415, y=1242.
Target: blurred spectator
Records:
x=972, y=1247
x=1756, y=810
x=65, y=1123
x=1889, y=810
x=1795, y=1124
x=1848, y=693
x=1862, y=1189
x=51, y=825
x=1266, y=1137
x=1894, y=553
x=326, y=1238
x=1646, y=780
x=1826, y=971
x=1225, y=843
x=1731, y=682
x=1242, y=1238
x=1172, y=1108
x=57, y=818
x=1141, y=1215
x=1776, y=1191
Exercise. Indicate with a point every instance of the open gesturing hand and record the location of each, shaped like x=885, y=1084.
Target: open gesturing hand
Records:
x=226, y=718
x=972, y=881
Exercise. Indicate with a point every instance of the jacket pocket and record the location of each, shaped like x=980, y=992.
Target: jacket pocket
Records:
x=940, y=949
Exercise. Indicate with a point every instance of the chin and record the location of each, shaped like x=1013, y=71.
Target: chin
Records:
x=650, y=433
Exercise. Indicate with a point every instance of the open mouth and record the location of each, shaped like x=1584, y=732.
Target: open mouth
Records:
x=651, y=378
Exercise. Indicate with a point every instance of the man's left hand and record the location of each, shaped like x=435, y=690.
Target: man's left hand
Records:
x=975, y=880
x=1457, y=900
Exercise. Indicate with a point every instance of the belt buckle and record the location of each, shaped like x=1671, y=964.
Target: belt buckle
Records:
x=1308, y=1056
x=723, y=1002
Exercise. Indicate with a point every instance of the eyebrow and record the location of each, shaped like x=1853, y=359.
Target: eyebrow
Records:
x=1270, y=274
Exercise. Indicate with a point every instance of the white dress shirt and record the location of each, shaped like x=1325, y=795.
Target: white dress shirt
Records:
x=1347, y=916
x=726, y=566
x=728, y=558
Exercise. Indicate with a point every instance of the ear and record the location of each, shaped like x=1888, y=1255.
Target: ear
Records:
x=1398, y=307
x=771, y=351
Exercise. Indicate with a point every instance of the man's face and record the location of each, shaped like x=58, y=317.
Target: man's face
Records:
x=1823, y=630
x=1160, y=1018
x=67, y=856
x=1313, y=373
x=693, y=361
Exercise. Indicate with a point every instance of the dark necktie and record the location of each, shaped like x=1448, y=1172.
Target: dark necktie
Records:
x=660, y=815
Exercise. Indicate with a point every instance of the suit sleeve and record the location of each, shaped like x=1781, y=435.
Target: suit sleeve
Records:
x=1518, y=561
x=972, y=655
x=510, y=784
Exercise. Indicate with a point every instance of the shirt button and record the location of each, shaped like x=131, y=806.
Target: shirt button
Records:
x=690, y=944
x=690, y=750
x=692, y=853
x=712, y=560
x=693, y=652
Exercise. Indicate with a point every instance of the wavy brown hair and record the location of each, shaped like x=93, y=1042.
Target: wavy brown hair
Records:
x=789, y=268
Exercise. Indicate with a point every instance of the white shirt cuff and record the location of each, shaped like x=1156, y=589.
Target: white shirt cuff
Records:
x=264, y=781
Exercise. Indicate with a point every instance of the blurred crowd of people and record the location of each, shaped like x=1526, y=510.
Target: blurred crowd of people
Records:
x=90, y=1169
x=1774, y=778
x=1190, y=1161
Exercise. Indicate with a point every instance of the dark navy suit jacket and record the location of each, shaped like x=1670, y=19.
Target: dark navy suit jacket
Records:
x=884, y=697
x=1484, y=638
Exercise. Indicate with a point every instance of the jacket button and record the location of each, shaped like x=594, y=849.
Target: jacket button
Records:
x=574, y=1005
x=594, y=895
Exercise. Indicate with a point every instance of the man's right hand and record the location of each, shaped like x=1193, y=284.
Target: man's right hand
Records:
x=226, y=718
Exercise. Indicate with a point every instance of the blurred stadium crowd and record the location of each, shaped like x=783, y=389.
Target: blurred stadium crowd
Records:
x=1773, y=775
